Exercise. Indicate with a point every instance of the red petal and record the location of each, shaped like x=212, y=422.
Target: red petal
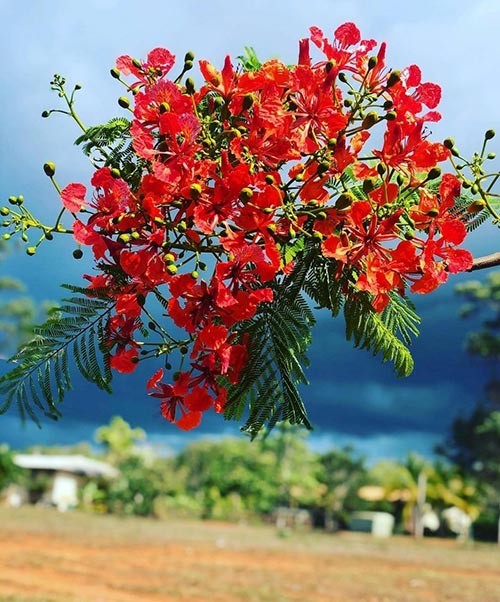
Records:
x=347, y=34
x=73, y=197
x=189, y=421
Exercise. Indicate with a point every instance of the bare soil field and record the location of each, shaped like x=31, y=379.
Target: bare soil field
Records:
x=46, y=556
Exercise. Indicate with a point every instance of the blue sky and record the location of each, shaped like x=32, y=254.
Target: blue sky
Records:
x=352, y=398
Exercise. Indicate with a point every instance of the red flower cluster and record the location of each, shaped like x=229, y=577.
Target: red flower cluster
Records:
x=241, y=170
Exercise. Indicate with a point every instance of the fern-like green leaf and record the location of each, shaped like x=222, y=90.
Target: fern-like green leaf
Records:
x=41, y=375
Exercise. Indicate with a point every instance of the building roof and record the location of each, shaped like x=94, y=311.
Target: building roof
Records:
x=76, y=464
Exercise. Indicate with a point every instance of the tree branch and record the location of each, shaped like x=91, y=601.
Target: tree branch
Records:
x=486, y=261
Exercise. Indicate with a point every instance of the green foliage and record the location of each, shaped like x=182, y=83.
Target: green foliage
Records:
x=118, y=438
x=41, y=376
x=249, y=60
x=111, y=145
x=280, y=334
x=9, y=472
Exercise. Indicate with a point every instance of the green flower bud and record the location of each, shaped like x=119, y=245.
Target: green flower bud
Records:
x=115, y=172
x=45, y=114
x=270, y=227
x=124, y=102
x=400, y=179
x=188, y=65
x=449, y=143
x=194, y=274
x=344, y=201
x=124, y=237
x=370, y=120
x=491, y=155
x=434, y=173
x=49, y=168
x=342, y=77
x=381, y=169
x=369, y=185
x=77, y=253
x=393, y=79
x=6, y=236
x=4, y=211
x=20, y=200
x=190, y=88
x=172, y=269
x=432, y=213
x=169, y=258
x=31, y=251
x=328, y=66
x=49, y=236
x=164, y=108
x=246, y=194
x=291, y=232
x=195, y=191
x=182, y=226
x=323, y=167
x=248, y=101
x=321, y=215
x=474, y=188
x=24, y=237
x=372, y=62
x=388, y=104
x=347, y=102
x=391, y=115
x=135, y=235
x=13, y=200
x=489, y=134
x=189, y=56
x=137, y=63
x=115, y=73
x=332, y=143
x=269, y=179
x=184, y=349
x=78, y=86
x=409, y=235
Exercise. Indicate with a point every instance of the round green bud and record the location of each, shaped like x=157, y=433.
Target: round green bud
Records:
x=124, y=102
x=182, y=226
x=115, y=173
x=169, y=258
x=329, y=66
x=31, y=251
x=369, y=185
x=269, y=179
x=434, y=173
x=321, y=215
x=6, y=224
x=124, y=237
x=189, y=56
x=4, y=211
x=449, y=143
x=388, y=104
x=190, y=88
x=195, y=191
x=202, y=265
x=332, y=143
x=188, y=65
x=77, y=253
x=409, y=235
x=164, y=108
x=400, y=179
x=246, y=194
x=78, y=86
x=137, y=63
x=391, y=115
x=115, y=73
x=172, y=269
x=489, y=134
x=248, y=101
x=432, y=213
x=13, y=200
x=394, y=78
x=491, y=155
x=49, y=236
x=49, y=168
x=135, y=235
x=45, y=114
x=24, y=237
x=381, y=169
x=323, y=167
x=317, y=235
x=342, y=77
x=474, y=188
x=184, y=349
x=270, y=227
x=6, y=236
x=347, y=102
x=291, y=232
x=20, y=200
x=194, y=274
x=370, y=120
x=344, y=201
x=372, y=62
